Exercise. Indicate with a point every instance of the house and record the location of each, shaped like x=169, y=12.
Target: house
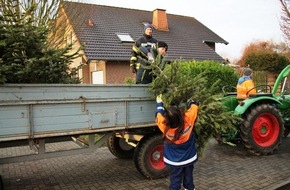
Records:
x=108, y=34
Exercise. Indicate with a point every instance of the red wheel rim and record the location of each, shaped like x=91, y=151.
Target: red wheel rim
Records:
x=156, y=158
x=265, y=130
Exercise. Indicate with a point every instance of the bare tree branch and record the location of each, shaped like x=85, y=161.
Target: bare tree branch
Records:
x=285, y=20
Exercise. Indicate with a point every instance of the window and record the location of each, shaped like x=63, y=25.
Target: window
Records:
x=98, y=77
x=124, y=37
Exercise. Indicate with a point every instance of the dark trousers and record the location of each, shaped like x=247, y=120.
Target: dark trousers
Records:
x=181, y=175
x=143, y=76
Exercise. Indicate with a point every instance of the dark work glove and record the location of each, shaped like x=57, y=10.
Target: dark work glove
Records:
x=190, y=102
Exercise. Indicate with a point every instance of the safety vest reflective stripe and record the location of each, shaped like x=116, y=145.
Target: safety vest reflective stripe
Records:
x=136, y=49
x=180, y=163
x=133, y=58
x=185, y=132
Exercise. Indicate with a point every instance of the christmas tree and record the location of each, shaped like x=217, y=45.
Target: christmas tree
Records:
x=177, y=84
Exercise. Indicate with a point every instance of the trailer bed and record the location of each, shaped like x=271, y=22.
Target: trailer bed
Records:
x=29, y=111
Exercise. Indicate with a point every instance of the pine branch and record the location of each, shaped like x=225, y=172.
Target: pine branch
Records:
x=177, y=85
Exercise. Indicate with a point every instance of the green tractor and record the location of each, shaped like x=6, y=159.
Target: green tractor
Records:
x=266, y=115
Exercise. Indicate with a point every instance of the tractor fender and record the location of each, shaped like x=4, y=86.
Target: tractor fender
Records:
x=245, y=104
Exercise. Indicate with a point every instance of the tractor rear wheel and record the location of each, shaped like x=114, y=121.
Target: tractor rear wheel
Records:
x=262, y=129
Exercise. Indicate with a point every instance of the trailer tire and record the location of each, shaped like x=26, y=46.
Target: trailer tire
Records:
x=120, y=148
x=148, y=157
x=262, y=129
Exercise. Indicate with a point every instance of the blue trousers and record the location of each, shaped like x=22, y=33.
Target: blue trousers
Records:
x=181, y=175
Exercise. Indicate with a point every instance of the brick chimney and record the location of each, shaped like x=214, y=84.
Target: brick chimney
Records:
x=160, y=19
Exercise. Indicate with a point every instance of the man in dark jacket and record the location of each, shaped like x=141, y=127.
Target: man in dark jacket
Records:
x=146, y=41
x=145, y=57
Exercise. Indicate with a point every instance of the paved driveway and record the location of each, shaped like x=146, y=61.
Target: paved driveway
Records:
x=222, y=167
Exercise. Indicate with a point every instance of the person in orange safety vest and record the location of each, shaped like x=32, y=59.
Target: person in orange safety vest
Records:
x=179, y=143
x=246, y=83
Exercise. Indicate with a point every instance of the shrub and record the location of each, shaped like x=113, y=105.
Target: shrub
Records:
x=271, y=62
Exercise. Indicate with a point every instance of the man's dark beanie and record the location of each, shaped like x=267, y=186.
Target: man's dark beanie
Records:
x=147, y=26
x=162, y=44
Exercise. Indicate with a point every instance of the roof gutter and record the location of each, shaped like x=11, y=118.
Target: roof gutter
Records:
x=210, y=41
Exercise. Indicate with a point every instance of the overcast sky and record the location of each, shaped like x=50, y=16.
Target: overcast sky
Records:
x=237, y=21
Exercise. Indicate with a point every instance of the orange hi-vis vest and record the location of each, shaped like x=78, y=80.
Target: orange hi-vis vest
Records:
x=189, y=119
x=243, y=89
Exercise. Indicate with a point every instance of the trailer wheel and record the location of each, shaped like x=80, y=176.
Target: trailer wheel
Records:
x=262, y=130
x=120, y=148
x=148, y=157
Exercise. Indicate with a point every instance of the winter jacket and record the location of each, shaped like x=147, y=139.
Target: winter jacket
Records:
x=143, y=70
x=245, y=83
x=181, y=152
x=144, y=41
